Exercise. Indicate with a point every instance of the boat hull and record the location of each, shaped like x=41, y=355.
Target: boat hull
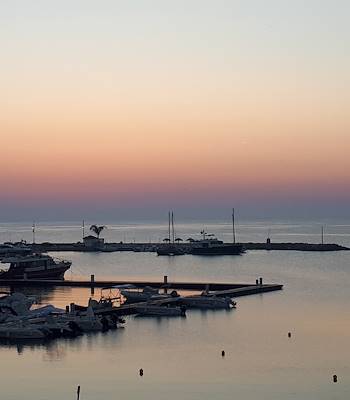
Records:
x=170, y=251
x=56, y=272
x=158, y=311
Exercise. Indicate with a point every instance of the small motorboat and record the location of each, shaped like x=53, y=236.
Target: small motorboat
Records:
x=22, y=331
x=208, y=302
x=148, y=293
x=149, y=310
x=170, y=250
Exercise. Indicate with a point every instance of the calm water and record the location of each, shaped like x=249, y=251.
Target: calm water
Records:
x=181, y=358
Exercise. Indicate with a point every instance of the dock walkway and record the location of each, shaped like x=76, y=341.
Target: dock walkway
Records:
x=216, y=288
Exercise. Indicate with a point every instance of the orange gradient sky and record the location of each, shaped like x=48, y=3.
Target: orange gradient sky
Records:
x=173, y=102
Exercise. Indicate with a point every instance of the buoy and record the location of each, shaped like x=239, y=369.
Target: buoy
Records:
x=289, y=334
x=141, y=372
x=335, y=378
x=223, y=353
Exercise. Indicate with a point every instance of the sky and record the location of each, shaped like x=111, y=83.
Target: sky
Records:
x=115, y=109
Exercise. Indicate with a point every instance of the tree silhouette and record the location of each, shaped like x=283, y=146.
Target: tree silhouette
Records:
x=97, y=229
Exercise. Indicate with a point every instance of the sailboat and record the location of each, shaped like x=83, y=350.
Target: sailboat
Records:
x=170, y=249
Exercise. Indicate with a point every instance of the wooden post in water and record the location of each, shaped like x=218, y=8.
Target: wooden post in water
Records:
x=78, y=393
x=165, y=284
x=92, y=281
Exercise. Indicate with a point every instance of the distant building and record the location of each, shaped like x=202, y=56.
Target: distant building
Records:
x=92, y=242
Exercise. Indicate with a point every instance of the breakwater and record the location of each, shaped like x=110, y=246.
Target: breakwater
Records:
x=153, y=247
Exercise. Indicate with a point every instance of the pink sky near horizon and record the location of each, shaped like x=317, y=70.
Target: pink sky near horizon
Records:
x=209, y=110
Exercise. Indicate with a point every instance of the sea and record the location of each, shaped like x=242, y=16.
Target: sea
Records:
x=181, y=357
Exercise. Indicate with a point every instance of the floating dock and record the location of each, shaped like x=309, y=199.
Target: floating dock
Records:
x=221, y=289
x=216, y=288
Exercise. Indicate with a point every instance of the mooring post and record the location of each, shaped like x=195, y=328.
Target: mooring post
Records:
x=165, y=283
x=257, y=282
x=67, y=309
x=335, y=378
x=78, y=393
x=261, y=281
x=92, y=282
x=72, y=307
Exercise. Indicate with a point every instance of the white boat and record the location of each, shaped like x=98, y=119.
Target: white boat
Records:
x=208, y=302
x=135, y=295
x=14, y=304
x=160, y=311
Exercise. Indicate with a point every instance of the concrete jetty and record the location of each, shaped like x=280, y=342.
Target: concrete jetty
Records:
x=153, y=247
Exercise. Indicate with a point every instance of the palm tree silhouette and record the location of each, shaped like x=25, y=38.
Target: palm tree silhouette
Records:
x=97, y=229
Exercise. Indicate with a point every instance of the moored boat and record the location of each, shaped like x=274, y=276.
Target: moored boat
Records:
x=135, y=295
x=34, y=266
x=208, y=302
x=150, y=310
x=214, y=247
x=170, y=250
x=12, y=249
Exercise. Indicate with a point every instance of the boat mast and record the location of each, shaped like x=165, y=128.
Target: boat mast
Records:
x=169, y=226
x=172, y=225
x=233, y=226
x=322, y=234
x=33, y=231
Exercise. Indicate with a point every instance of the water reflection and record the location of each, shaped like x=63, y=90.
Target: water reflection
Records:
x=181, y=357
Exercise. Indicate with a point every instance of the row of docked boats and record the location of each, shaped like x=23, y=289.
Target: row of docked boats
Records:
x=18, y=321
x=21, y=320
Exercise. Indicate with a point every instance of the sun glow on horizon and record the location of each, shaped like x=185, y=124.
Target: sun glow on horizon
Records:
x=201, y=107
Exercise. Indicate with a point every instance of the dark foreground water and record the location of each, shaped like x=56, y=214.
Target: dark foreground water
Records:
x=181, y=358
